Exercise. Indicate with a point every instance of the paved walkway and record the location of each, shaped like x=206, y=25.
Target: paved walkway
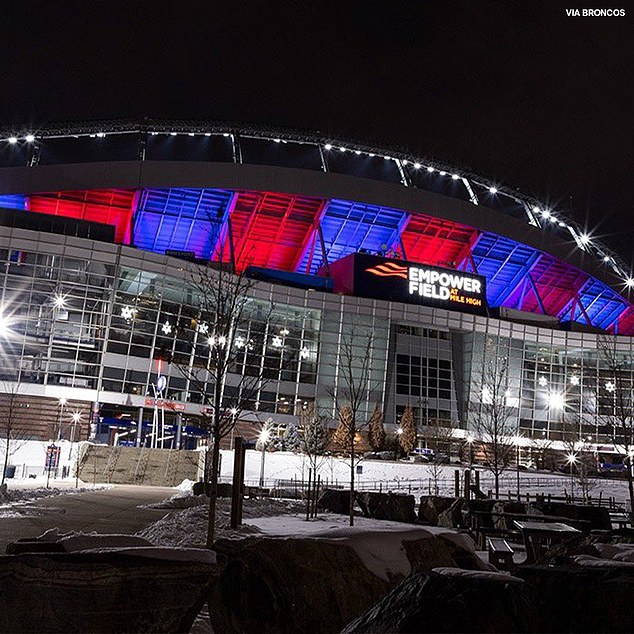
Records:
x=111, y=510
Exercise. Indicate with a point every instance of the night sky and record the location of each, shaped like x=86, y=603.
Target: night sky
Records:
x=515, y=91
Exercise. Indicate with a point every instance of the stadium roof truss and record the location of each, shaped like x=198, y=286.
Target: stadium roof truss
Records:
x=302, y=234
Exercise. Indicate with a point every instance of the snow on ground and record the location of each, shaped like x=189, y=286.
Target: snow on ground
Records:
x=17, y=495
x=282, y=468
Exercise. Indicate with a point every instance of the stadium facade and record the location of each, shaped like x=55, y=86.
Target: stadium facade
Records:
x=101, y=223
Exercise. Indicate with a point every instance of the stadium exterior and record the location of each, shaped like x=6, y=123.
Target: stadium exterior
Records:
x=101, y=224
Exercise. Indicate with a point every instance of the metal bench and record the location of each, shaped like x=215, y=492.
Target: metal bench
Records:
x=500, y=553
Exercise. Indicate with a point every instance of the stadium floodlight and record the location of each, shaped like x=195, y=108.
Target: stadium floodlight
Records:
x=207, y=133
x=59, y=300
x=606, y=258
x=387, y=158
x=190, y=134
x=357, y=152
x=493, y=190
x=277, y=140
x=342, y=149
x=416, y=166
x=545, y=213
x=371, y=154
x=405, y=161
x=443, y=173
x=455, y=177
x=584, y=238
x=100, y=135
x=173, y=133
x=552, y=219
x=328, y=146
x=430, y=169
x=13, y=140
x=629, y=282
x=29, y=138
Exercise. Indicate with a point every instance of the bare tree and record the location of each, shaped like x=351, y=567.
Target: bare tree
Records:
x=580, y=460
x=313, y=436
x=496, y=422
x=9, y=430
x=376, y=429
x=229, y=334
x=615, y=402
x=439, y=439
x=352, y=393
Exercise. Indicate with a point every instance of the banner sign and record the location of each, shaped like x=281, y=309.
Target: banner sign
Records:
x=397, y=280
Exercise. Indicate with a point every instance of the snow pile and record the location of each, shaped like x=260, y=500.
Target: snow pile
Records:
x=188, y=526
x=186, y=486
x=27, y=495
x=179, y=501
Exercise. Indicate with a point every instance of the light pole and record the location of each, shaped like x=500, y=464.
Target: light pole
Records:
x=76, y=418
x=571, y=458
x=263, y=438
x=399, y=433
x=517, y=465
x=234, y=413
x=62, y=403
x=470, y=446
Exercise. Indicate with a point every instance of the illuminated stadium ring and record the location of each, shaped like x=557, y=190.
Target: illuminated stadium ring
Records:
x=297, y=203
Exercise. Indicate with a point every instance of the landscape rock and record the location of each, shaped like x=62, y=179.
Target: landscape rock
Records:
x=335, y=501
x=452, y=516
x=452, y=600
x=431, y=506
x=109, y=590
x=318, y=585
x=590, y=595
x=388, y=506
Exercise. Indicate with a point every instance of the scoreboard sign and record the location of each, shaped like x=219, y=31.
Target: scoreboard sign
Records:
x=397, y=280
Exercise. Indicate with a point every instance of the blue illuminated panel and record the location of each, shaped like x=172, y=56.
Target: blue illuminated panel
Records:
x=181, y=219
x=349, y=226
x=13, y=201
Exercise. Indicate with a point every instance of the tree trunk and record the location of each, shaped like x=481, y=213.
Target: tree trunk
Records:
x=630, y=486
x=213, y=490
x=352, y=481
x=6, y=457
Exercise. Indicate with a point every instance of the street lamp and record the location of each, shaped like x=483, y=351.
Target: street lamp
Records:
x=517, y=441
x=470, y=445
x=263, y=439
x=399, y=433
x=571, y=458
x=76, y=417
x=62, y=403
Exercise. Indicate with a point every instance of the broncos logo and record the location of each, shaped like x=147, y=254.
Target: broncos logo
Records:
x=388, y=269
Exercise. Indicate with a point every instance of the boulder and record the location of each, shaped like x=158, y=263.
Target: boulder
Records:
x=335, y=501
x=451, y=517
x=589, y=595
x=431, y=506
x=387, y=506
x=452, y=600
x=135, y=589
x=318, y=585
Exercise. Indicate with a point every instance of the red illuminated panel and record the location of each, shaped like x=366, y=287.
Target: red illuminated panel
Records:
x=626, y=322
x=437, y=242
x=108, y=206
x=271, y=229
